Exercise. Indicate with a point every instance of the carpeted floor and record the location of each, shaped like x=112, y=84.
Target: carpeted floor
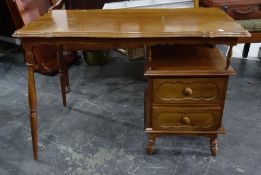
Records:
x=101, y=130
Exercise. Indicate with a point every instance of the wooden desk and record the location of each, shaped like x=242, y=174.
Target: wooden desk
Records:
x=99, y=29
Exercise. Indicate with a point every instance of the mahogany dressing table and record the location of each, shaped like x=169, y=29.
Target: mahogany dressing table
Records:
x=130, y=28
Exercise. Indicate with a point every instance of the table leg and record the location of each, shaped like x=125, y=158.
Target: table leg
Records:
x=32, y=101
x=213, y=145
x=151, y=142
x=246, y=50
x=67, y=89
x=149, y=57
x=64, y=79
x=229, y=55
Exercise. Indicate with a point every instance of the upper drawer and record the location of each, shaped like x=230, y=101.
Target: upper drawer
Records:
x=189, y=90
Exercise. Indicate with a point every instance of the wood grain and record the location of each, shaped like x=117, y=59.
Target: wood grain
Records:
x=130, y=28
x=134, y=23
x=188, y=88
x=187, y=118
x=179, y=60
x=203, y=90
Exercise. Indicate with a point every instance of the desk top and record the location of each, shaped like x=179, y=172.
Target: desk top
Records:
x=134, y=23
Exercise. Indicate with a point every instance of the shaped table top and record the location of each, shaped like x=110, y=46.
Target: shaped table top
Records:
x=134, y=23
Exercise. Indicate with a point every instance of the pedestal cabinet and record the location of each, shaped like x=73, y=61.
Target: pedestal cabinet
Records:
x=186, y=92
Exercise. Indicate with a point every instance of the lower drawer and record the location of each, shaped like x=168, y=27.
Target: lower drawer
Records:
x=189, y=119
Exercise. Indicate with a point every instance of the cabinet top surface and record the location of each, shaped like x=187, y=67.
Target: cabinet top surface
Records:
x=134, y=23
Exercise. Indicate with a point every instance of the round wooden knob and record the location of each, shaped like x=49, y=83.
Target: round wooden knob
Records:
x=188, y=91
x=185, y=120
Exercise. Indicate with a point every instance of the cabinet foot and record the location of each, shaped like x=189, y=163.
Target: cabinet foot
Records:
x=151, y=142
x=213, y=145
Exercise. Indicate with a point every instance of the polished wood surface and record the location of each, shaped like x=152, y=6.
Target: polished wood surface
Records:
x=96, y=29
x=134, y=23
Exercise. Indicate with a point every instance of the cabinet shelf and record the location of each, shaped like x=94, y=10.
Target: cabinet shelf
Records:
x=187, y=60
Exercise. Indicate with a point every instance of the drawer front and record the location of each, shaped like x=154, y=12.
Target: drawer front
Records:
x=237, y=9
x=189, y=90
x=189, y=119
x=244, y=12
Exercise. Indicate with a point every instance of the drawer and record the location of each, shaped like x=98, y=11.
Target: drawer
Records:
x=189, y=90
x=189, y=119
x=243, y=12
x=237, y=9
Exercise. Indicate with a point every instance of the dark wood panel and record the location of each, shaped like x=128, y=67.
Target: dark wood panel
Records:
x=237, y=9
x=6, y=22
x=87, y=4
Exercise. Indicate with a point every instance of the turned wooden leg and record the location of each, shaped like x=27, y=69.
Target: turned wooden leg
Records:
x=67, y=88
x=151, y=141
x=32, y=101
x=64, y=79
x=65, y=70
x=246, y=50
x=213, y=145
x=229, y=56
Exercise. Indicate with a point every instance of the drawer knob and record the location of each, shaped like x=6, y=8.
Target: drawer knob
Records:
x=185, y=120
x=187, y=91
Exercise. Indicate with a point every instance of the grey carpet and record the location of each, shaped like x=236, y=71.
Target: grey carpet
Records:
x=101, y=130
